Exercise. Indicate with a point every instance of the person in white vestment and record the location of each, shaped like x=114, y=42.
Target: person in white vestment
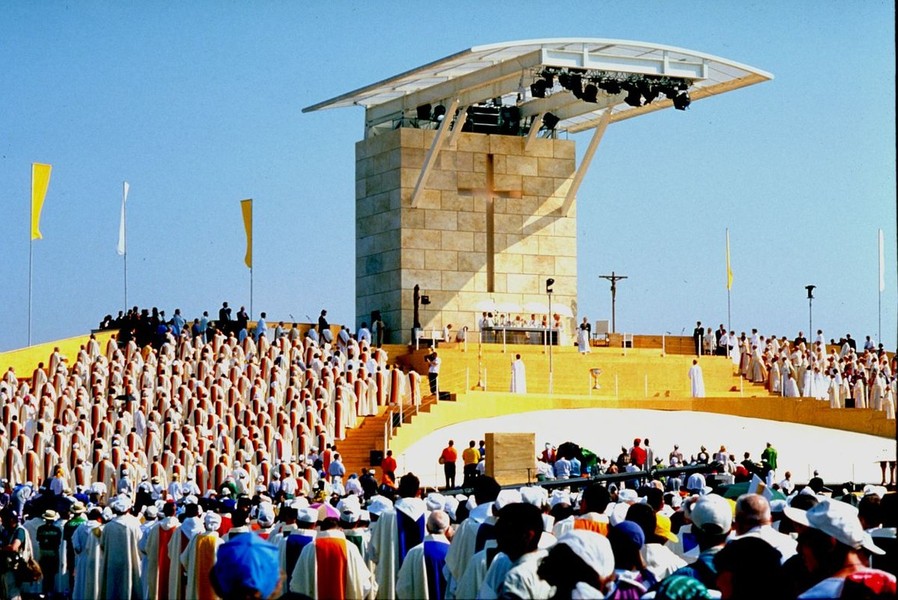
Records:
x=422, y=574
x=120, y=571
x=698, y=381
x=316, y=576
x=88, y=556
x=199, y=557
x=518, y=376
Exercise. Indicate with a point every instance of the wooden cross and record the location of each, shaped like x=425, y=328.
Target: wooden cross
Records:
x=489, y=195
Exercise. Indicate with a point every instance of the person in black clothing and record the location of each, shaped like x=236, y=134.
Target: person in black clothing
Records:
x=697, y=335
x=368, y=483
x=49, y=538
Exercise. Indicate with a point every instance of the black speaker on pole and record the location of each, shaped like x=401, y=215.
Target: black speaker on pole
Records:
x=375, y=457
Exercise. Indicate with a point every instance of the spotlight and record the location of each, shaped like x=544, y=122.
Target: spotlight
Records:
x=589, y=93
x=549, y=78
x=682, y=101
x=538, y=88
x=424, y=112
x=634, y=98
x=439, y=112
x=573, y=83
x=550, y=121
x=668, y=90
x=509, y=120
x=650, y=94
x=612, y=86
x=425, y=300
x=549, y=283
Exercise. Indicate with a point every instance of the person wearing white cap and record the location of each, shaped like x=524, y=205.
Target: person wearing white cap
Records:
x=154, y=545
x=191, y=526
x=120, y=569
x=422, y=575
x=579, y=565
x=298, y=533
x=712, y=520
x=835, y=549
x=199, y=558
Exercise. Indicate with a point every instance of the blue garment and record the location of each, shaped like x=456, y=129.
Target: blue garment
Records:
x=575, y=467
x=434, y=561
x=296, y=541
x=411, y=533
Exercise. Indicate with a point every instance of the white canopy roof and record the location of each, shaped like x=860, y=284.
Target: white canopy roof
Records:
x=506, y=71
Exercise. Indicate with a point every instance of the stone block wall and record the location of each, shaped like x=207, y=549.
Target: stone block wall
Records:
x=442, y=244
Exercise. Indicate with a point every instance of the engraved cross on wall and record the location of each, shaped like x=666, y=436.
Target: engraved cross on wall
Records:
x=489, y=195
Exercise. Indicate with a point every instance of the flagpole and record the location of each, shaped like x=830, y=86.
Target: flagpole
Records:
x=125, y=246
x=30, y=270
x=250, y=292
x=881, y=285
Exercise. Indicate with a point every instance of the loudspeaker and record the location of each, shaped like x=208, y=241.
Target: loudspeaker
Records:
x=375, y=457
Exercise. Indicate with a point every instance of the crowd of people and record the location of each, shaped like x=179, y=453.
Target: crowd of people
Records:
x=404, y=542
x=839, y=372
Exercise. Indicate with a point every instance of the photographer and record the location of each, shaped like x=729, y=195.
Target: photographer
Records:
x=13, y=542
x=433, y=371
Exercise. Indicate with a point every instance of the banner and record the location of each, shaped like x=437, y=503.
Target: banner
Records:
x=729, y=269
x=120, y=249
x=882, y=265
x=40, y=181
x=247, y=207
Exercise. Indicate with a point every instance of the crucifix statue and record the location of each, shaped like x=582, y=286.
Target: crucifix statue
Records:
x=489, y=195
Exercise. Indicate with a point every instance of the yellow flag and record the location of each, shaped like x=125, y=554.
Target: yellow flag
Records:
x=40, y=181
x=729, y=269
x=247, y=206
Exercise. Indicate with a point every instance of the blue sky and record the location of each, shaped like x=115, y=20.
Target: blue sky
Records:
x=198, y=105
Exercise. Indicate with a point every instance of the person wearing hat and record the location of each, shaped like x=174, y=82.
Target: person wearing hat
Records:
x=631, y=578
x=199, y=558
x=421, y=574
x=49, y=540
x=88, y=560
x=659, y=559
x=120, y=568
x=76, y=510
x=712, y=519
x=332, y=567
x=190, y=527
x=581, y=563
x=155, y=546
x=247, y=567
x=835, y=549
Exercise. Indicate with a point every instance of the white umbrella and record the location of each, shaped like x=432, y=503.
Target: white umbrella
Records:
x=486, y=306
x=508, y=307
x=536, y=308
x=562, y=310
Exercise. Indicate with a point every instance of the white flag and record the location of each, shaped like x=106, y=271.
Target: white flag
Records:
x=120, y=249
x=882, y=265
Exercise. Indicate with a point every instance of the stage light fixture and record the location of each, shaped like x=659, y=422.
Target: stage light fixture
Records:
x=538, y=88
x=634, y=98
x=423, y=112
x=612, y=86
x=550, y=121
x=590, y=92
x=549, y=78
x=439, y=111
x=650, y=94
x=682, y=101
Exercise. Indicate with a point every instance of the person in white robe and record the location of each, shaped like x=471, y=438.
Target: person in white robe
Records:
x=790, y=387
x=154, y=545
x=386, y=546
x=120, y=571
x=422, y=575
x=190, y=527
x=583, y=337
x=315, y=573
x=199, y=558
x=88, y=557
x=697, y=379
x=518, y=376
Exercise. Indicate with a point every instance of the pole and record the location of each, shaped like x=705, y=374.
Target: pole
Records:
x=729, y=319
x=250, y=292
x=810, y=317
x=30, y=270
x=551, y=323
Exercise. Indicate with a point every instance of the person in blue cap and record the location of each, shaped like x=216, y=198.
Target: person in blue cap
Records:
x=247, y=568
